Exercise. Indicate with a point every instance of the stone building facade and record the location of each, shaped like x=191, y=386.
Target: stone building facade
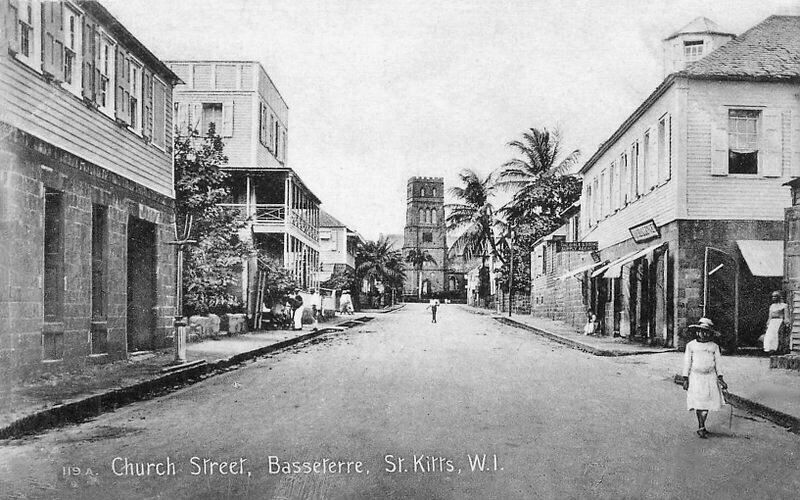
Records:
x=87, y=273
x=425, y=230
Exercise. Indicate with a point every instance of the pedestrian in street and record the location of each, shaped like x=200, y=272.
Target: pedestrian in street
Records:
x=433, y=305
x=777, y=321
x=298, y=312
x=702, y=375
x=346, y=303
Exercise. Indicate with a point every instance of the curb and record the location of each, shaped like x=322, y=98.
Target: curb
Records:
x=93, y=406
x=791, y=423
x=572, y=343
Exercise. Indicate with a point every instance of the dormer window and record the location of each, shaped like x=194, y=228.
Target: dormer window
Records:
x=693, y=50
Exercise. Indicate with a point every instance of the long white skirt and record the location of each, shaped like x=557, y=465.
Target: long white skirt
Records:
x=704, y=392
x=771, y=337
x=298, y=318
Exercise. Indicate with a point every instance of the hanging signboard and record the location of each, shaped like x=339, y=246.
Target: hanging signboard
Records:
x=645, y=231
x=576, y=246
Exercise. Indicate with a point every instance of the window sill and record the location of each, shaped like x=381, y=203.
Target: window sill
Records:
x=52, y=361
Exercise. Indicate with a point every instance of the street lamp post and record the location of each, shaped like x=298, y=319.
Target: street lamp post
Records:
x=179, y=324
x=510, y=268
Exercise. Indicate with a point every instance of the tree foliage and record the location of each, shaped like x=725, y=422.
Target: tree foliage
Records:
x=418, y=257
x=472, y=216
x=378, y=261
x=213, y=265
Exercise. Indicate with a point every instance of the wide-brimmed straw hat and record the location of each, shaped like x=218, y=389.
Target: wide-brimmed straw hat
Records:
x=704, y=324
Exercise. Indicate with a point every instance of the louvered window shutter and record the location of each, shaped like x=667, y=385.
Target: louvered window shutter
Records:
x=227, y=119
x=147, y=104
x=11, y=25
x=771, y=143
x=196, y=117
x=88, y=51
x=181, y=118
x=58, y=35
x=48, y=38
x=719, y=143
x=794, y=142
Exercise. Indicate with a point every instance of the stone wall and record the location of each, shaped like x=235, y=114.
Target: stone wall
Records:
x=29, y=167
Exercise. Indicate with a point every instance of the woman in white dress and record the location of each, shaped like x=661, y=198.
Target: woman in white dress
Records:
x=702, y=376
x=778, y=318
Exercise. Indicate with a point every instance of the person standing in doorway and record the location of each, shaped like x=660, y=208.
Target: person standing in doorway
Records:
x=702, y=375
x=777, y=321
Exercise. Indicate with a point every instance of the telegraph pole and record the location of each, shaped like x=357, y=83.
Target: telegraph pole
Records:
x=179, y=324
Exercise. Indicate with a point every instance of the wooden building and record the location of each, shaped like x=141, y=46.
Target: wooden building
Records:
x=252, y=118
x=685, y=199
x=86, y=189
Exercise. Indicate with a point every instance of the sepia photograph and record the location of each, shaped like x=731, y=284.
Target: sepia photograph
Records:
x=410, y=249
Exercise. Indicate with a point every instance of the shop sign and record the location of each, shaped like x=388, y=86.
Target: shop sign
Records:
x=645, y=231
x=577, y=246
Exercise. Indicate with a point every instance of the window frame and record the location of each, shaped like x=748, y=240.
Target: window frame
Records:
x=73, y=46
x=136, y=81
x=759, y=135
x=688, y=50
x=164, y=132
x=107, y=67
x=33, y=28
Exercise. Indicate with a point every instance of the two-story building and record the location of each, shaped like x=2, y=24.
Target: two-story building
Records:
x=337, y=244
x=252, y=118
x=87, y=272
x=685, y=199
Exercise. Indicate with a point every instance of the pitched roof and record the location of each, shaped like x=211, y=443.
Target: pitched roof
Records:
x=699, y=25
x=328, y=220
x=769, y=50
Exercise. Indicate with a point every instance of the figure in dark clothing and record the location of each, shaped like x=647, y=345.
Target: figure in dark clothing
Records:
x=433, y=306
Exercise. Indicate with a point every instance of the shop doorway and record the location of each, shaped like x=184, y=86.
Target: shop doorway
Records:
x=721, y=296
x=141, y=284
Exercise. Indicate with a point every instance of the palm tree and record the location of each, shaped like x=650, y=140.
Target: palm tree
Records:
x=474, y=215
x=541, y=180
x=418, y=257
x=379, y=261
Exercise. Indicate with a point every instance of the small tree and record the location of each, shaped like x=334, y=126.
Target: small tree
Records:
x=213, y=266
x=418, y=258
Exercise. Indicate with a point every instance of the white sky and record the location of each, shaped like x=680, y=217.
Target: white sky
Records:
x=379, y=91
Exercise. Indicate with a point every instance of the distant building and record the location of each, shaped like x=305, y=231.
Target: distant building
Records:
x=338, y=245
x=685, y=199
x=86, y=189
x=252, y=118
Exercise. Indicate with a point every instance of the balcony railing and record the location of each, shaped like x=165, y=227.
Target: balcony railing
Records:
x=260, y=213
x=274, y=215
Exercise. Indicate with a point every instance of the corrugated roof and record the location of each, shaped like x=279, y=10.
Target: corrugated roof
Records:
x=769, y=50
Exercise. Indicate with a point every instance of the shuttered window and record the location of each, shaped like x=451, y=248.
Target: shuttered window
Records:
x=159, y=113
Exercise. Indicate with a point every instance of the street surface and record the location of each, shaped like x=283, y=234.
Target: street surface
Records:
x=552, y=422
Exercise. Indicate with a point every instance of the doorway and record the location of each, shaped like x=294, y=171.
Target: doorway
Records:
x=141, y=284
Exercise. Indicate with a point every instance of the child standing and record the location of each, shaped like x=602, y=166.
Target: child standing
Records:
x=702, y=376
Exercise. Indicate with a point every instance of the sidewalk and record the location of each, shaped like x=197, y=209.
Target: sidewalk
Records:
x=72, y=397
x=773, y=394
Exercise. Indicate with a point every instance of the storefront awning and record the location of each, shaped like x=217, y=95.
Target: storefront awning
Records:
x=579, y=270
x=614, y=268
x=763, y=257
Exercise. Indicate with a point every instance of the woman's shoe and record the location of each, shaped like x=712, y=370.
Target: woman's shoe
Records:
x=702, y=432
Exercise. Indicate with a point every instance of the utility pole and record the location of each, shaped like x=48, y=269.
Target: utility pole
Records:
x=510, y=267
x=179, y=324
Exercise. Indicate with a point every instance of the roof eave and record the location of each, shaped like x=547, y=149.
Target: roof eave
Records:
x=121, y=32
x=626, y=125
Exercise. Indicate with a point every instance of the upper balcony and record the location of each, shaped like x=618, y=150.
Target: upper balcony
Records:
x=271, y=218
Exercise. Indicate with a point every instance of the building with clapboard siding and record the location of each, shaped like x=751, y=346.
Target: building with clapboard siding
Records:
x=87, y=273
x=251, y=117
x=338, y=245
x=686, y=198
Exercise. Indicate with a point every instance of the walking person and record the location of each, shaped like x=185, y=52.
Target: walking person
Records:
x=778, y=320
x=702, y=375
x=433, y=305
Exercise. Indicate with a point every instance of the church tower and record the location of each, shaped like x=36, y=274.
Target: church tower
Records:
x=425, y=230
